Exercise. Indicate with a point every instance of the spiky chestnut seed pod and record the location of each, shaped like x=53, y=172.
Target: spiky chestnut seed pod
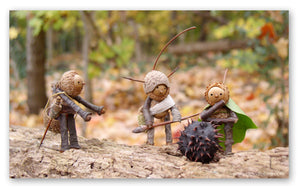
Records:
x=199, y=141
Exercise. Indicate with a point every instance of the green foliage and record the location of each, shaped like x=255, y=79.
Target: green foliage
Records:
x=17, y=51
x=245, y=59
x=42, y=20
x=119, y=53
x=244, y=122
x=94, y=71
x=123, y=51
x=37, y=24
x=261, y=52
x=243, y=27
x=267, y=33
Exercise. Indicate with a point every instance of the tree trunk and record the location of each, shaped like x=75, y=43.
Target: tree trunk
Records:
x=78, y=38
x=85, y=55
x=138, y=49
x=36, y=58
x=49, y=43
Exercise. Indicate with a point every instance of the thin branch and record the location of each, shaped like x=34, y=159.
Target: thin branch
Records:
x=225, y=74
x=173, y=71
x=144, y=127
x=92, y=23
x=137, y=80
x=169, y=122
x=169, y=44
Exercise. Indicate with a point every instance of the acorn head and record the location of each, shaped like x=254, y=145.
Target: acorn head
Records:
x=216, y=92
x=153, y=79
x=159, y=93
x=160, y=90
x=72, y=83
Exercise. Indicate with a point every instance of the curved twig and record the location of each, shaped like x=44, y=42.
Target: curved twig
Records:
x=129, y=78
x=169, y=44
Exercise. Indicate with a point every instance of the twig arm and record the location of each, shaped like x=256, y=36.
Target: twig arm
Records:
x=208, y=112
x=85, y=115
x=218, y=121
x=146, y=111
x=98, y=109
x=175, y=114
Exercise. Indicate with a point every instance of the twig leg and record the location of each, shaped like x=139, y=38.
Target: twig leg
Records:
x=168, y=130
x=228, y=137
x=63, y=132
x=72, y=132
x=150, y=136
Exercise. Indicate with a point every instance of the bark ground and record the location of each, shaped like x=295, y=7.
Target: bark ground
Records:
x=107, y=159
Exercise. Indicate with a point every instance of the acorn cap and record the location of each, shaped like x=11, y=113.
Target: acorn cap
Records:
x=154, y=78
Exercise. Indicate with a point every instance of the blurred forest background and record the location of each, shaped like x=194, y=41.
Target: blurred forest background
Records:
x=105, y=45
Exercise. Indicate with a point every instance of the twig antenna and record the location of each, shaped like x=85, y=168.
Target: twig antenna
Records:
x=225, y=74
x=137, y=80
x=162, y=50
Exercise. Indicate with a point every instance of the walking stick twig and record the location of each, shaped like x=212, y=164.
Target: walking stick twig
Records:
x=45, y=132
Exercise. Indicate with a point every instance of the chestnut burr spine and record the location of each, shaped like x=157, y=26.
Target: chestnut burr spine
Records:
x=199, y=144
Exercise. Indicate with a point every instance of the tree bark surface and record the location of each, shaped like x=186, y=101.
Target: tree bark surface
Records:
x=107, y=159
x=36, y=59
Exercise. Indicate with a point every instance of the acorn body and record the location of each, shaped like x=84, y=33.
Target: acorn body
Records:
x=221, y=113
x=199, y=141
x=159, y=115
x=72, y=84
